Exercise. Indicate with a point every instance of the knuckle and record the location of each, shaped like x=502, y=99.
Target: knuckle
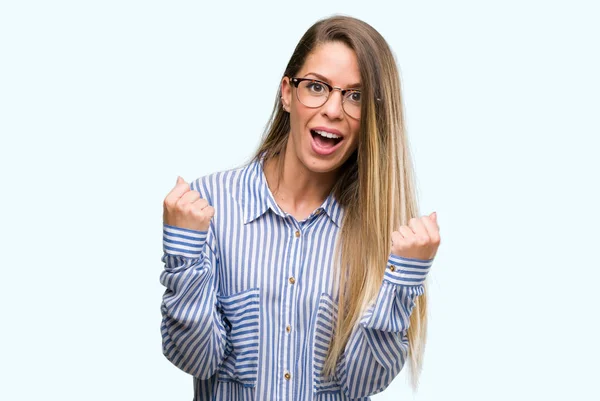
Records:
x=186, y=206
x=201, y=202
x=203, y=214
x=197, y=213
x=168, y=203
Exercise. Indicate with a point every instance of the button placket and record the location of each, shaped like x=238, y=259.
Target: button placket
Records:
x=288, y=358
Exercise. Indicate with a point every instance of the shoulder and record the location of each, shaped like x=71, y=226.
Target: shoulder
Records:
x=216, y=185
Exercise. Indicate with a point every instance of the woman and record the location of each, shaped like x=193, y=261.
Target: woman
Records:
x=261, y=260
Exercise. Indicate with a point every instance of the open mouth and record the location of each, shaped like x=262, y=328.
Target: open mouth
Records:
x=324, y=139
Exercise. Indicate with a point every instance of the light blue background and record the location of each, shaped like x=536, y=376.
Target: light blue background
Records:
x=104, y=103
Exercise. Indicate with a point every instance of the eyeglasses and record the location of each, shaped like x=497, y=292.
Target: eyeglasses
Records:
x=314, y=93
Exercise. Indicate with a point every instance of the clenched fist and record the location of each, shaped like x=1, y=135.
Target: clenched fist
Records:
x=419, y=240
x=185, y=209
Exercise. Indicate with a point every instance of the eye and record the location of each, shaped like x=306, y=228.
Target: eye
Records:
x=354, y=96
x=316, y=87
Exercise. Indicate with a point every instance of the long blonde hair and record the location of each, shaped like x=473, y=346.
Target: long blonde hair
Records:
x=375, y=185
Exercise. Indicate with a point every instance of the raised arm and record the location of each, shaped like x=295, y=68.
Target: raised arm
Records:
x=194, y=337
x=378, y=346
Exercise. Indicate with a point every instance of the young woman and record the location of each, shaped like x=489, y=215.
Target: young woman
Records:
x=301, y=275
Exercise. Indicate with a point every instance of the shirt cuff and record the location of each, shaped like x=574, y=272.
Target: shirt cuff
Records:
x=179, y=241
x=406, y=271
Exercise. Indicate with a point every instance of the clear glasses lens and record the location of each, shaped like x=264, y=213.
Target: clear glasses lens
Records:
x=352, y=104
x=315, y=94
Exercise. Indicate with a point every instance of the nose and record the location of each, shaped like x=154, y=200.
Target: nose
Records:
x=333, y=107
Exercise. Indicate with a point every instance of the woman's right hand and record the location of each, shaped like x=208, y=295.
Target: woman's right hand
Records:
x=185, y=208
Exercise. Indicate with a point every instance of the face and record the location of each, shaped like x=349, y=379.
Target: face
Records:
x=336, y=64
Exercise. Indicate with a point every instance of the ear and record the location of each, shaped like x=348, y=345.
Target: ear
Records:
x=286, y=93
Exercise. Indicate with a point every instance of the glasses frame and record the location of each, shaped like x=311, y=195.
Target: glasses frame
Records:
x=296, y=81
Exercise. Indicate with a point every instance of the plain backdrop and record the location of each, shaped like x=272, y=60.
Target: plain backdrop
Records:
x=104, y=103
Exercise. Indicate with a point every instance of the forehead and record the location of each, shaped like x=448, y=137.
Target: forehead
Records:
x=335, y=61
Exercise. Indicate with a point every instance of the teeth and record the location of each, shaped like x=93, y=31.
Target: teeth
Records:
x=327, y=134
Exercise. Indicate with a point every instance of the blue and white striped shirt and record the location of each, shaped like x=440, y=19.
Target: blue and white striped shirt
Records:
x=250, y=304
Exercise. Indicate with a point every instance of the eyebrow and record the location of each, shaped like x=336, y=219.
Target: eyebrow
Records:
x=322, y=78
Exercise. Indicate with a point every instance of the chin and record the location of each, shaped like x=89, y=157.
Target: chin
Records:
x=321, y=166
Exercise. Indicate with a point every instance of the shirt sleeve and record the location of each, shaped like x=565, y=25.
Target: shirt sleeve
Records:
x=378, y=347
x=194, y=337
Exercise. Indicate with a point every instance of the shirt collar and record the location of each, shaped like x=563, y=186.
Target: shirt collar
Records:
x=257, y=197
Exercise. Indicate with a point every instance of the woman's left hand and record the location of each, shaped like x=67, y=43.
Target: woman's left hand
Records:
x=419, y=240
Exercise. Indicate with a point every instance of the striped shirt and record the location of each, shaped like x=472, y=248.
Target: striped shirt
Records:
x=251, y=303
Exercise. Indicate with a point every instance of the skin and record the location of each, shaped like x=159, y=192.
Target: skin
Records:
x=307, y=176
x=419, y=239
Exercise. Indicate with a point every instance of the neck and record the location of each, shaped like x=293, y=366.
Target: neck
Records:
x=295, y=187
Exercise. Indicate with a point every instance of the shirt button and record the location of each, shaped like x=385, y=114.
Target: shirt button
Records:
x=287, y=376
x=392, y=268
x=288, y=328
x=292, y=280
x=318, y=211
x=297, y=234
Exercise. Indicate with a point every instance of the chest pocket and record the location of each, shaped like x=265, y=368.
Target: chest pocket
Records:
x=324, y=330
x=241, y=321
